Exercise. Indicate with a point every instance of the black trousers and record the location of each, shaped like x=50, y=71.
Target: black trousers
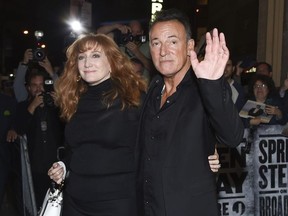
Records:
x=119, y=207
x=42, y=183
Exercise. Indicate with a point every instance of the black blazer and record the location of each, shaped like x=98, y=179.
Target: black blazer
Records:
x=205, y=114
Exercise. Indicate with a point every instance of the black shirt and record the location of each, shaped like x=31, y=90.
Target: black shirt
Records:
x=102, y=142
x=155, y=132
x=176, y=141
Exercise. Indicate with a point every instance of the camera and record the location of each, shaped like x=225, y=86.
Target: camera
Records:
x=47, y=97
x=123, y=39
x=38, y=54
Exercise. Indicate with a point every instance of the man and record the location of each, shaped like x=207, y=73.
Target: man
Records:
x=24, y=66
x=133, y=49
x=238, y=94
x=185, y=110
x=264, y=68
x=38, y=118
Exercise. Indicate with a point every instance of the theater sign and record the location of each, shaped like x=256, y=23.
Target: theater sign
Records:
x=156, y=5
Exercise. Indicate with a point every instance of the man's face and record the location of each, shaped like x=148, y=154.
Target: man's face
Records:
x=228, y=69
x=264, y=70
x=169, y=48
x=36, y=85
x=136, y=28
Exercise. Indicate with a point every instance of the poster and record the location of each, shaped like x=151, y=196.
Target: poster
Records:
x=253, y=109
x=235, y=180
x=270, y=166
x=253, y=179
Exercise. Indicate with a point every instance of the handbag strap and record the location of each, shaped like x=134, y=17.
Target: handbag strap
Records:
x=61, y=186
x=55, y=186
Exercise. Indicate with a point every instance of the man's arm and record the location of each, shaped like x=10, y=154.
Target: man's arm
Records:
x=108, y=29
x=49, y=69
x=215, y=90
x=284, y=88
x=19, y=82
x=222, y=113
x=139, y=55
x=19, y=88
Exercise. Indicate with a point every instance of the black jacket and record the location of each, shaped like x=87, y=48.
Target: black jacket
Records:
x=42, y=146
x=205, y=114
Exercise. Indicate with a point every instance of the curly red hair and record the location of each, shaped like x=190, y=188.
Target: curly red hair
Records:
x=126, y=84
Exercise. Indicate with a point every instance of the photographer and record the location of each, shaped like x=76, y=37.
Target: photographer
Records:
x=127, y=37
x=38, y=118
x=32, y=59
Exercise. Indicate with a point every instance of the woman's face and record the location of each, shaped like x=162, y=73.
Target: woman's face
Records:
x=93, y=66
x=260, y=91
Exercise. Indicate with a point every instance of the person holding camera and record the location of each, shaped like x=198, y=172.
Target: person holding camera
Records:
x=32, y=59
x=38, y=118
x=132, y=41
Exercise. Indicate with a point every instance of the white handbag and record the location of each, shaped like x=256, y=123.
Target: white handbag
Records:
x=53, y=201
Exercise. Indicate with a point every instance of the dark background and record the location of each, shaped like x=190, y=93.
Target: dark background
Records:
x=236, y=18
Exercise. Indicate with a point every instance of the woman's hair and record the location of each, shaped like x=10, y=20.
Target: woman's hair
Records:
x=265, y=80
x=126, y=84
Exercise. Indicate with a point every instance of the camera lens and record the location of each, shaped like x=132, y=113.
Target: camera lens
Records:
x=38, y=54
x=125, y=39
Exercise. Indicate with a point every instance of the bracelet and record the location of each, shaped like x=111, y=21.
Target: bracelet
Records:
x=22, y=63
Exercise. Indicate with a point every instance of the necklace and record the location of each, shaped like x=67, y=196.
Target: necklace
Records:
x=163, y=89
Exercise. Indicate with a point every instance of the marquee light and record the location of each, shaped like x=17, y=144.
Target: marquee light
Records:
x=156, y=6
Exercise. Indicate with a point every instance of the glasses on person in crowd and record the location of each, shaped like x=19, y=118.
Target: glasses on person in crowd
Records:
x=258, y=86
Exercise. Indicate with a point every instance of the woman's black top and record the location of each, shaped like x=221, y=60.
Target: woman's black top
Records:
x=101, y=144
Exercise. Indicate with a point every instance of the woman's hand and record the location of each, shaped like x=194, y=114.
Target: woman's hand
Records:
x=273, y=110
x=214, y=162
x=255, y=121
x=56, y=173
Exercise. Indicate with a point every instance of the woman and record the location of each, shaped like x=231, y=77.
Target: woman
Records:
x=100, y=97
x=262, y=90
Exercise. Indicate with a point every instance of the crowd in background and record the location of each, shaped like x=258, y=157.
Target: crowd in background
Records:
x=27, y=105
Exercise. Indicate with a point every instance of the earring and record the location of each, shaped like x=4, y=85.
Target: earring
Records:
x=78, y=78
